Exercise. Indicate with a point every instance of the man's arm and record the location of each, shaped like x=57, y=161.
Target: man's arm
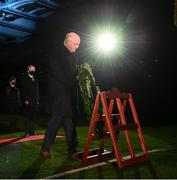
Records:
x=57, y=67
x=24, y=91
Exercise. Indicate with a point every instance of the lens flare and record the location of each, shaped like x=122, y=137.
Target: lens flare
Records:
x=106, y=42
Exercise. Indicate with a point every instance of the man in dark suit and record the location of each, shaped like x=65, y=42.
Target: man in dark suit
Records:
x=30, y=96
x=62, y=73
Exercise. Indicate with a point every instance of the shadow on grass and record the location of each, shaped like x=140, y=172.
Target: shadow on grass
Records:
x=136, y=170
x=10, y=156
x=33, y=169
x=104, y=172
x=67, y=164
x=152, y=170
x=100, y=172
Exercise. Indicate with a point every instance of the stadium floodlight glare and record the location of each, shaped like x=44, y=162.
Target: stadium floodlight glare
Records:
x=106, y=42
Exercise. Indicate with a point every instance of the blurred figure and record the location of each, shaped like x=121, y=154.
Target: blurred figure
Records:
x=30, y=94
x=62, y=74
x=13, y=101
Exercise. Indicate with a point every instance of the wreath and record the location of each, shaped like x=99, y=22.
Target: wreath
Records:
x=88, y=88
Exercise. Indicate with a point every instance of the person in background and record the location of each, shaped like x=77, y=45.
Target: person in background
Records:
x=13, y=101
x=62, y=73
x=30, y=98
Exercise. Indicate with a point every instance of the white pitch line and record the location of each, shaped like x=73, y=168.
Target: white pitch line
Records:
x=95, y=165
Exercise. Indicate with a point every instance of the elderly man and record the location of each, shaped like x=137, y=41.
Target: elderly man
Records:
x=62, y=71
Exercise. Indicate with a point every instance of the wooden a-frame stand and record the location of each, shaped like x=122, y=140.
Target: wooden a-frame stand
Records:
x=108, y=101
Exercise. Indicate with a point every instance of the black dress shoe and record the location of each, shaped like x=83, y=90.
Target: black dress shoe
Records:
x=25, y=135
x=32, y=134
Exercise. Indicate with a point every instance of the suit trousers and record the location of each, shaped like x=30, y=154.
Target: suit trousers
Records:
x=30, y=115
x=52, y=129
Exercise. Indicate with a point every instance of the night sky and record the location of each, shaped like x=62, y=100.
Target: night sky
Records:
x=147, y=68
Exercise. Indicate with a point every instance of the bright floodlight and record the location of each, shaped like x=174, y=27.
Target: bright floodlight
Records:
x=106, y=42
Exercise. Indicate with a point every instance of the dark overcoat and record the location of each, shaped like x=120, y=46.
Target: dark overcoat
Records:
x=30, y=91
x=61, y=76
x=13, y=99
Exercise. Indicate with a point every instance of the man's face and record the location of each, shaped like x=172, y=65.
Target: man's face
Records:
x=13, y=82
x=73, y=43
x=31, y=70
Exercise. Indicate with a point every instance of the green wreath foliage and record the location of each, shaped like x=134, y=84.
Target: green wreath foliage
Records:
x=86, y=82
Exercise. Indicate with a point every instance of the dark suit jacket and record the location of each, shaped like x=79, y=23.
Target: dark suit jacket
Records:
x=62, y=70
x=30, y=91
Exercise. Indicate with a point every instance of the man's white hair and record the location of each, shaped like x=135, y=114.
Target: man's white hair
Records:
x=29, y=66
x=71, y=35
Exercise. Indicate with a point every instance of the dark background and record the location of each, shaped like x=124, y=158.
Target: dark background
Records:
x=147, y=69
